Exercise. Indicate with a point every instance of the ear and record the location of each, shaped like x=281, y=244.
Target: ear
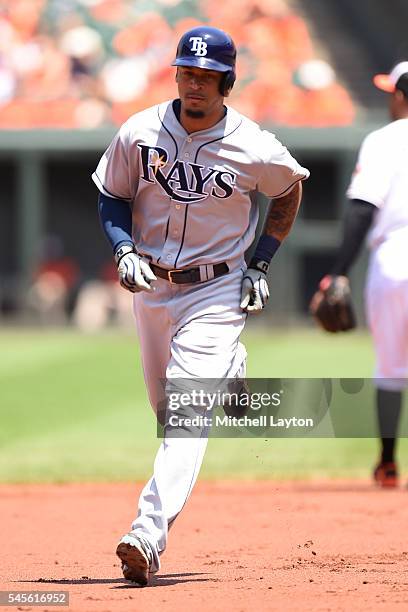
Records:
x=399, y=96
x=176, y=75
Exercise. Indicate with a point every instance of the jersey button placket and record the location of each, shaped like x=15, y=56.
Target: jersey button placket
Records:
x=176, y=223
x=172, y=244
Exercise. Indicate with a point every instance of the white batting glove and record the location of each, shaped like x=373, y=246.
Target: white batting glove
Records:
x=254, y=291
x=134, y=274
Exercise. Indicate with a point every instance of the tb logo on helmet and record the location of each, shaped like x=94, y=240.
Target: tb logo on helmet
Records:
x=199, y=46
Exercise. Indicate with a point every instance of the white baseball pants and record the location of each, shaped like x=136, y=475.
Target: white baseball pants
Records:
x=387, y=313
x=185, y=331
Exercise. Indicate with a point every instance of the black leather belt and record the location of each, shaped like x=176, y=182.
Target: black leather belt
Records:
x=191, y=275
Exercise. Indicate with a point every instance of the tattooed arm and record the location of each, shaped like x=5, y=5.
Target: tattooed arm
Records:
x=279, y=220
x=282, y=213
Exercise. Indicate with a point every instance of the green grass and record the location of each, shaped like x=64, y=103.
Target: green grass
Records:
x=74, y=408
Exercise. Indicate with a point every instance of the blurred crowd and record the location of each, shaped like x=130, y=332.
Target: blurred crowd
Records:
x=59, y=293
x=91, y=63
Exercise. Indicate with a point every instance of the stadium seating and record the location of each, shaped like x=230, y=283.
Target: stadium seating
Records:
x=86, y=64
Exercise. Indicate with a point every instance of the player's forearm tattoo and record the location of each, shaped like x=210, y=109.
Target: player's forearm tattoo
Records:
x=282, y=214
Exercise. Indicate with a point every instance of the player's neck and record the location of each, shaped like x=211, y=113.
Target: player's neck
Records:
x=197, y=124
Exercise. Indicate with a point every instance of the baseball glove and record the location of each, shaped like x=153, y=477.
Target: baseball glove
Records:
x=331, y=305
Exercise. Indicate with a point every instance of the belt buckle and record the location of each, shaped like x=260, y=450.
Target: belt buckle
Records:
x=170, y=276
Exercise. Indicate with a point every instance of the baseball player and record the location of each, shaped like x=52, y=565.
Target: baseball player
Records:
x=378, y=202
x=177, y=204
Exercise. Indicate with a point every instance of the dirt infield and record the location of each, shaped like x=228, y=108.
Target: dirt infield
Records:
x=238, y=546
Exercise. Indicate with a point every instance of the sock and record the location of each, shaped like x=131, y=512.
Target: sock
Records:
x=388, y=413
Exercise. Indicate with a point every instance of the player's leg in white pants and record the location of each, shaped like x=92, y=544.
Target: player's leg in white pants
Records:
x=387, y=310
x=387, y=313
x=197, y=337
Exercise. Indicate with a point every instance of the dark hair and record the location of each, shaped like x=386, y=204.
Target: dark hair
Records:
x=402, y=84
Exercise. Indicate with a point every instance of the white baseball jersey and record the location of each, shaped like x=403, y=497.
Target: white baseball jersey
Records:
x=381, y=178
x=192, y=194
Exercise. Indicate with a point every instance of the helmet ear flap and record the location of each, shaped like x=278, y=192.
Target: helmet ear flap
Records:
x=227, y=82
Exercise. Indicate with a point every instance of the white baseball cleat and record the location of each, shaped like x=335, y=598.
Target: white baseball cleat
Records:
x=135, y=555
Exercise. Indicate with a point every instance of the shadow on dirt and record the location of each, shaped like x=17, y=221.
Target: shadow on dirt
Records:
x=156, y=581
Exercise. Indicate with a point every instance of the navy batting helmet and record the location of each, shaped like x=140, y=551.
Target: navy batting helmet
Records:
x=211, y=49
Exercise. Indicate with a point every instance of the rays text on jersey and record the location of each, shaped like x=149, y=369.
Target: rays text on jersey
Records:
x=185, y=181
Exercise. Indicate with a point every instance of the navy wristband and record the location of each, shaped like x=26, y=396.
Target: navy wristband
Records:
x=265, y=250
